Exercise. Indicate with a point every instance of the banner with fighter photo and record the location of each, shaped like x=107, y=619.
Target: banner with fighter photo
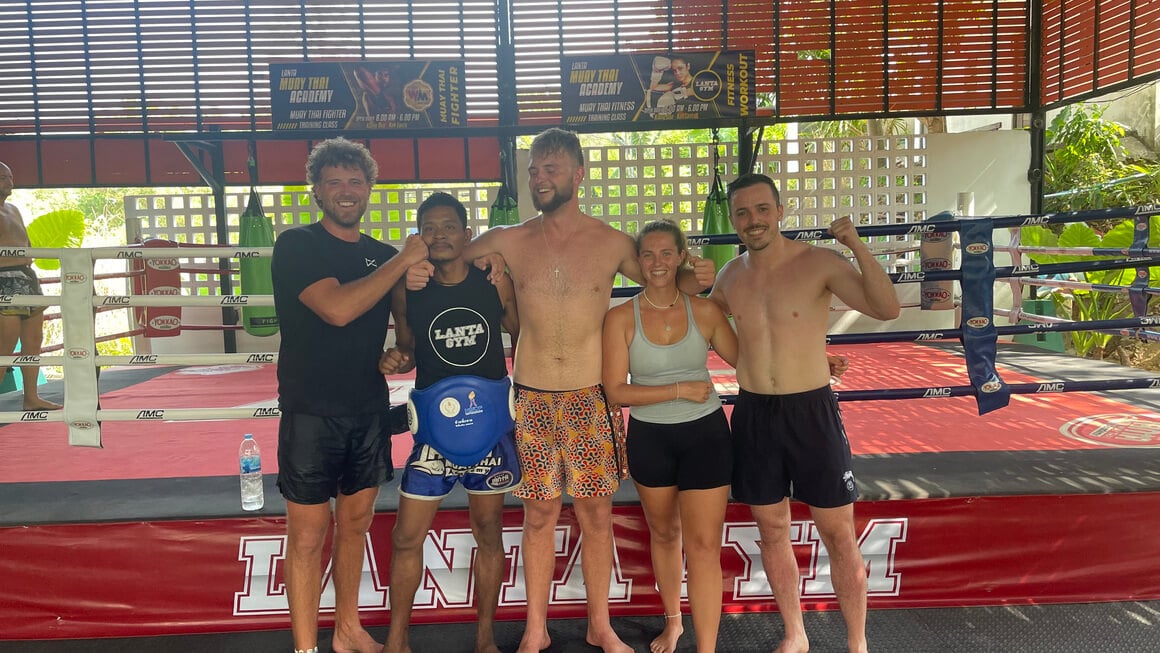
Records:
x=367, y=95
x=657, y=86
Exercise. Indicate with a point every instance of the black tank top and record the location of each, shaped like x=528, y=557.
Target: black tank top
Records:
x=457, y=329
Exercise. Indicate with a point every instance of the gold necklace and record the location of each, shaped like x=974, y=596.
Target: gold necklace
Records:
x=676, y=299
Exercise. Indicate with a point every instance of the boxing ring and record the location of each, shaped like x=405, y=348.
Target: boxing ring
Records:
x=1032, y=478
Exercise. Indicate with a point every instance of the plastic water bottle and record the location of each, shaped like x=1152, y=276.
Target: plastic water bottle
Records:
x=250, y=464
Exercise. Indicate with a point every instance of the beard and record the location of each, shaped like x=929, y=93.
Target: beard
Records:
x=559, y=198
x=343, y=216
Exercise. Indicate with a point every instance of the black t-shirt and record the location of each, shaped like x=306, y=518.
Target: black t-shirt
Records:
x=457, y=329
x=325, y=369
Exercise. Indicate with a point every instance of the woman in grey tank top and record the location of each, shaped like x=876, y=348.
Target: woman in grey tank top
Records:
x=679, y=449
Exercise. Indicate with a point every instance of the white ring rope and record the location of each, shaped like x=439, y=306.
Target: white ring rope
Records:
x=146, y=300
x=127, y=253
x=144, y=359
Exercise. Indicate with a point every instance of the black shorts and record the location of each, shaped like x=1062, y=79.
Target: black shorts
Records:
x=318, y=457
x=695, y=455
x=791, y=445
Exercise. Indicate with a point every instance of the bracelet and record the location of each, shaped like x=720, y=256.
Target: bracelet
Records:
x=676, y=397
x=672, y=616
x=306, y=650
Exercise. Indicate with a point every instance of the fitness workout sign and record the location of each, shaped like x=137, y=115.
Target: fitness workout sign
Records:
x=653, y=87
x=367, y=95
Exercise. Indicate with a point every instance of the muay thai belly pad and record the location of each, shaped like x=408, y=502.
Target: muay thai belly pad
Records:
x=462, y=417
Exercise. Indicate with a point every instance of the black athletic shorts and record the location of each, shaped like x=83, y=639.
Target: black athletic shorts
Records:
x=318, y=457
x=791, y=445
x=696, y=455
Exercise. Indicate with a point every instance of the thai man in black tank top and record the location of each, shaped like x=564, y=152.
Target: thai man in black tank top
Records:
x=448, y=329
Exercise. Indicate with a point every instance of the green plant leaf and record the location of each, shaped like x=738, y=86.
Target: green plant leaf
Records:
x=55, y=230
x=1077, y=234
x=1036, y=236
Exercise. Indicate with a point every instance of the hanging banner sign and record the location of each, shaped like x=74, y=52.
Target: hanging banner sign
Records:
x=367, y=95
x=649, y=87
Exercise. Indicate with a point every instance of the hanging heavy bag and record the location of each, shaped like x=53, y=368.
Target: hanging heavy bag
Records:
x=504, y=210
x=256, y=230
x=716, y=221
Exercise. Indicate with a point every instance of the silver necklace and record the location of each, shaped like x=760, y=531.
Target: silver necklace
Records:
x=676, y=299
x=555, y=257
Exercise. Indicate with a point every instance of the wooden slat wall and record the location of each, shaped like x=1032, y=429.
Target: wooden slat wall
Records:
x=112, y=77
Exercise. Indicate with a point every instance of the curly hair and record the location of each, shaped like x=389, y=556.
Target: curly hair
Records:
x=340, y=152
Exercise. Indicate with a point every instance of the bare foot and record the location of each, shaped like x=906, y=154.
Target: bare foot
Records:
x=356, y=641
x=534, y=642
x=40, y=404
x=608, y=641
x=666, y=642
x=793, y=646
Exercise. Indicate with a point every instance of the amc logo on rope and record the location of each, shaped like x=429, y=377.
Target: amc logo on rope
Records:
x=156, y=413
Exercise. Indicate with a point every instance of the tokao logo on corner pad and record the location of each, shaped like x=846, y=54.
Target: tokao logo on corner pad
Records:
x=1115, y=430
x=165, y=323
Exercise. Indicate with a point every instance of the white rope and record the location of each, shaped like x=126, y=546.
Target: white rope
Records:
x=29, y=300
x=142, y=252
x=177, y=252
x=185, y=359
x=1017, y=314
x=183, y=300
x=179, y=414
x=30, y=360
x=18, y=417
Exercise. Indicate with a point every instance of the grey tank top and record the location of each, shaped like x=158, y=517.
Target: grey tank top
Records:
x=684, y=360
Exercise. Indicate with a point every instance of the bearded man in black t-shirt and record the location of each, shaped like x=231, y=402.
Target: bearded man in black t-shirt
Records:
x=332, y=294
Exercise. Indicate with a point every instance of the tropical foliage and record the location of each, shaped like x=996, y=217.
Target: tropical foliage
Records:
x=54, y=230
x=1085, y=305
x=1087, y=167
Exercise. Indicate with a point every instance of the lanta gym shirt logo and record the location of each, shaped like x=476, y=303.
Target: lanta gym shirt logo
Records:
x=459, y=336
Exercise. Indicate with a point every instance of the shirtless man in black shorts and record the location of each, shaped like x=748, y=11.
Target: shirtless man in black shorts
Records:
x=788, y=438
x=23, y=324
